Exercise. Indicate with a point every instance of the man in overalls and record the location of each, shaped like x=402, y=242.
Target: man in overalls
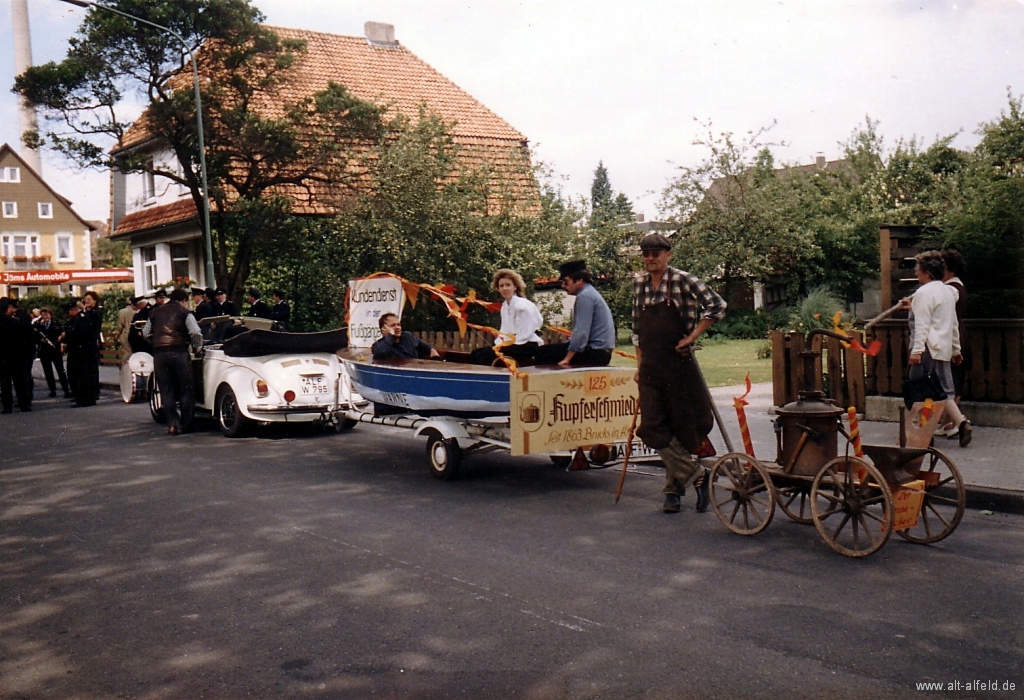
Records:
x=671, y=309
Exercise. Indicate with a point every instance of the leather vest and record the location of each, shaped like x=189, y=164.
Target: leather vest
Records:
x=169, y=330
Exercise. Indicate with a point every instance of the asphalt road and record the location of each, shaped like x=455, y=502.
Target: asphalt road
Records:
x=303, y=564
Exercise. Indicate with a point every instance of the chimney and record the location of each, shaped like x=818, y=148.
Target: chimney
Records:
x=380, y=34
x=819, y=161
x=638, y=218
x=22, y=62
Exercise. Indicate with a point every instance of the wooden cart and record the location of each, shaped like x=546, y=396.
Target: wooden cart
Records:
x=855, y=503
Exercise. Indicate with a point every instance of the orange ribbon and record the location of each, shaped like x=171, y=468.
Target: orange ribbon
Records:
x=738, y=403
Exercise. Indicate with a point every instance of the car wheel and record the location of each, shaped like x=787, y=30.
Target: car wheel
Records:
x=444, y=456
x=229, y=415
x=155, y=407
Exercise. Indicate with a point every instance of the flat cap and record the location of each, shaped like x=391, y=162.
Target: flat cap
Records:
x=655, y=241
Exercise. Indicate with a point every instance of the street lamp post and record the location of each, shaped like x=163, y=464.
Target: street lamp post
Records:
x=207, y=239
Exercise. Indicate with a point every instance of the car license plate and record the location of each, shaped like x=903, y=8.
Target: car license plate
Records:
x=314, y=385
x=640, y=449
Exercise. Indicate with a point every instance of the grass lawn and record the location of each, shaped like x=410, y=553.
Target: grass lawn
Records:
x=724, y=362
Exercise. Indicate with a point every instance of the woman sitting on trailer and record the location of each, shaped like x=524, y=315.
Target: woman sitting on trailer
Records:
x=520, y=317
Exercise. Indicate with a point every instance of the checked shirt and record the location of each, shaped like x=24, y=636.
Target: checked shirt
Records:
x=686, y=292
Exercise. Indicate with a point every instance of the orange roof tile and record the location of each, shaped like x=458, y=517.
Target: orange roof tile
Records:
x=150, y=217
x=391, y=76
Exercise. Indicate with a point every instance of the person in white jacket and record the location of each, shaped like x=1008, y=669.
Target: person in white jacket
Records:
x=935, y=337
x=520, y=319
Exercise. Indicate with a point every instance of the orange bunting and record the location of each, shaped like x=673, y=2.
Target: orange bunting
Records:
x=738, y=403
x=873, y=348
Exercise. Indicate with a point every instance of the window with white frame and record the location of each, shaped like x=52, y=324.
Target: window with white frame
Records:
x=19, y=245
x=148, y=182
x=10, y=210
x=65, y=247
x=45, y=210
x=179, y=262
x=149, y=271
x=10, y=174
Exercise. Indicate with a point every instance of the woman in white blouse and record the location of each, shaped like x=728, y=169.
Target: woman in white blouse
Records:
x=520, y=318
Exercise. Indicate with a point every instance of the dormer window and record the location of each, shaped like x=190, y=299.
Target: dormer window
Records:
x=45, y=210
x=10, y=174
x=10, y=210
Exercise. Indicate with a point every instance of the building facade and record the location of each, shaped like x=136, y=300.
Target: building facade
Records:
x=161, y=221
x=43, y=242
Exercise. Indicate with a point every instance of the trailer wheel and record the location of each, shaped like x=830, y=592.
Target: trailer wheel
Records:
x=343, y=424
x=444, y=456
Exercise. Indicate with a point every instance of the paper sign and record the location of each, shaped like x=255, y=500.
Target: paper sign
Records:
x=369, y=300
x=556, y=411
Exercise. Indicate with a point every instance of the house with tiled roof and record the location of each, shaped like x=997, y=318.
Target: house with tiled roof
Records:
x=44, y=243
x=159, y=217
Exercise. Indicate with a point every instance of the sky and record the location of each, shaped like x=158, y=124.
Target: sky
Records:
x=629, y=83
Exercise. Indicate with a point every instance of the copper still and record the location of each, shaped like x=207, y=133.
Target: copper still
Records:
x=807, y=429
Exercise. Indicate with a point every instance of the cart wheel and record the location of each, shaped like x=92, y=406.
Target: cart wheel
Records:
x=795, y=501
x=945, y=498
x=852, y=507
x=742, y=493
x=155, y=407
x=444, y=456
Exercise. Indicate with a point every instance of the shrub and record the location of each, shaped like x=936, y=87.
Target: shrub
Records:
x=815, y=310
x=748, y=324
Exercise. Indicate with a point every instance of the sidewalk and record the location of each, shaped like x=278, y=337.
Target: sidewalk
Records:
x=991, y=465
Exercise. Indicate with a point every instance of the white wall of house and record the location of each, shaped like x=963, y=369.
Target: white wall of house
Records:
x=144, y=190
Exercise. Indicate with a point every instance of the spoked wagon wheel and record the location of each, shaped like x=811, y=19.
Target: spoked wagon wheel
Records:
x=742, y=494
x=794, y=499
x=155, y=407
x=945, y=498
x=852, y=507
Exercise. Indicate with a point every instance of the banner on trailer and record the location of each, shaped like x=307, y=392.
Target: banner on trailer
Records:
x=369, y=299
x=555, y=411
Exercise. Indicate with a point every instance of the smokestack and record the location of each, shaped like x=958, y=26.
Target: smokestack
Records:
x=22, y=62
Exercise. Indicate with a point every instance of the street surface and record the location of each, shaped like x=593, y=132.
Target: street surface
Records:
x=306, y=564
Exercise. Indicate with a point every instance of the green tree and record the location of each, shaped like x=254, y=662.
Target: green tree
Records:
x=306, y=146
x=737, y=221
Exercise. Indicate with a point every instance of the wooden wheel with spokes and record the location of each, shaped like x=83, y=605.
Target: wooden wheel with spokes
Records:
x=741, y=493
x=794, y=499
x=945, y=498
x=852, y=507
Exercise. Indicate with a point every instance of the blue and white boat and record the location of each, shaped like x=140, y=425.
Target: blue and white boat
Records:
x=429, y=387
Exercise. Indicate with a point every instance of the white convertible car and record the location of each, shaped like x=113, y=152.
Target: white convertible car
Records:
x=249, y=375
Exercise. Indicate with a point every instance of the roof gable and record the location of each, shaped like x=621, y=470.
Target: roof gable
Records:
x=6, y=149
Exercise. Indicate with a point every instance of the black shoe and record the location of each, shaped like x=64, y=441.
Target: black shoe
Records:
x=671, y=503
x=27, y=409
x=68, y=395
x=703, y=492
x=53, y=394
x=964, y=433
x=7, y=410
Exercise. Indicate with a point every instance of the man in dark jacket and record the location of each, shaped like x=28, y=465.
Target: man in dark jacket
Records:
x=257, y=307
x=227, y=307
x=171, y=328
x=203, y=308
x=82, y=342
x=17, y=352
x=281, y=313
x=397, y=344
x=48, y=333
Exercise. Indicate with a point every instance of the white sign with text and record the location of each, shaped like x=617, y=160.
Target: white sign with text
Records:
x=368, y=301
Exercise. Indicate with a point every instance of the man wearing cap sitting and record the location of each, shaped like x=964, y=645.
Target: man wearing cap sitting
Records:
x=172, y=328
x=671, y=309
x=593, y=328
